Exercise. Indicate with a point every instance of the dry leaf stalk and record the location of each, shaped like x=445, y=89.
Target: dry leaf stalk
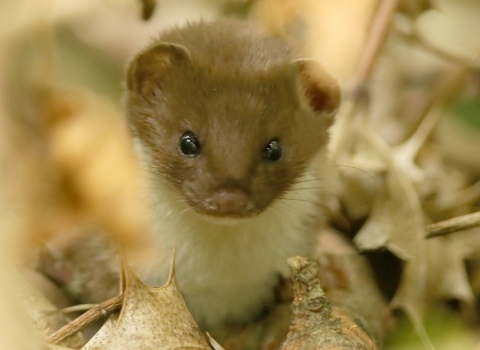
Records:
x=460, y=223
x=94, y=314
x=148, y=7
x=377, y=36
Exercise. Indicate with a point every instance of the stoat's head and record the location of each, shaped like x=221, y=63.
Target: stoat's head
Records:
x=229, y=119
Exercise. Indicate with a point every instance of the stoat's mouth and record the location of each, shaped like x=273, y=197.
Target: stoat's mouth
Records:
x=226, y=205
x=226, y=219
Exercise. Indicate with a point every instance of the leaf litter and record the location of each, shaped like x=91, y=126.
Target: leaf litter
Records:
x=151, y=318
x=399, y=184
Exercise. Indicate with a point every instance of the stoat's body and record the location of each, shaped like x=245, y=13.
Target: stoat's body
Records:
x=228, y=271
x=231, y=131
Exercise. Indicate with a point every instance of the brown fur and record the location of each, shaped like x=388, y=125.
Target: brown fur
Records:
x=236, y=88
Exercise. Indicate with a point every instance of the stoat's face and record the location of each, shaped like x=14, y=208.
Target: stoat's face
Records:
x=231, y=141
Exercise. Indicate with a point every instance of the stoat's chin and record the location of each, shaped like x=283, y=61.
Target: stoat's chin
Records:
x=226, y=220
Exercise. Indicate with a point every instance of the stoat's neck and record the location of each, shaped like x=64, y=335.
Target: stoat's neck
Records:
x=221, y=261
x=284, y=229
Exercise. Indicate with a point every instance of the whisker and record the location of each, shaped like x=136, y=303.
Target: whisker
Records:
x=308, y=180
x=307, y=188
x=301, y=200
x=186, y=209
x=313, y=168
x=282, y=206
x=352, y=167
x=274, y=211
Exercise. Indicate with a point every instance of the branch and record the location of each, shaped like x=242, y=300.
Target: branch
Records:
x=454, y=225
x=378, y=34
x=94, y=314
x=148, y=7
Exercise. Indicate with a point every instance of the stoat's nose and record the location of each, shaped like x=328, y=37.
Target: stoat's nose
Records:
x=230, y=201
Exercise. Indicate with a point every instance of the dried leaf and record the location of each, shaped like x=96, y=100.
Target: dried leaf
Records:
x=214, y=343
x=266, y=333
x=447, y=276
x=46, y=317
x=90, y=144
x=16, y=329
x=317, y=26
x=360, y=173
x=451, y=27
x=148, y=7
x=396, y=220
x=151, y=318
x=55, y=347
x=350, y=286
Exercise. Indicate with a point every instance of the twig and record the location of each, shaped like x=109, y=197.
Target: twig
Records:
x=214, y=343
x=148, y=7
x=448, y=85
x=453, y=225
x=378, y=34
x=415, y=39
x=463, y=197
x=94, y=314
x=78, y=308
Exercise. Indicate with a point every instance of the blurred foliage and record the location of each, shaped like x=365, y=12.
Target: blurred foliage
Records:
x=88, y=46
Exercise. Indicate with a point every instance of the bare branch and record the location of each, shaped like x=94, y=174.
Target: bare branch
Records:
x=94, y=314
x=148, y=7
x=454, y=225
x=378, y=34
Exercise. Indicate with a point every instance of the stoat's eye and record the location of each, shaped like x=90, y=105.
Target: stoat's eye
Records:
x=273, y=151
x=189, y=145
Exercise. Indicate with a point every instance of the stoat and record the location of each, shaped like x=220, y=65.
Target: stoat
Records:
x=231, y=128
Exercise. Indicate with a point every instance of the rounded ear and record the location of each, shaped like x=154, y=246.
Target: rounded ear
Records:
x=148, y=67
x=319, y=87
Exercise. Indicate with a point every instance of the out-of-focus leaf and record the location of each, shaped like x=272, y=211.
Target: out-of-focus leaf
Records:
x=361, y=174
x=396, y=220
x=92, y=154
x=447, y=330
x=318, y=26
x=148, y=7
x=447, y=276
x=453, y=28
x=46, y=317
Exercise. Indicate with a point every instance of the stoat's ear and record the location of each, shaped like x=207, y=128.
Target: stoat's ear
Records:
x=147, y=68
x=319, y=87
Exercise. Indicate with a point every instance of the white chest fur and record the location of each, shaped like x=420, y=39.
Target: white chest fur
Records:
x=228, y=271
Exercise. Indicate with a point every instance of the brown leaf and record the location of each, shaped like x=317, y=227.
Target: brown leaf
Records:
x=16, y=329
x=90, y=144
x=451, y=28
x=148, y=7
x=396, y=220
x=360, y=173
x=266, y=333
x=349, y=284
x=317, y=26
x=214, y=343
x=46, y=317
x=56, y=347
x=151, y=318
